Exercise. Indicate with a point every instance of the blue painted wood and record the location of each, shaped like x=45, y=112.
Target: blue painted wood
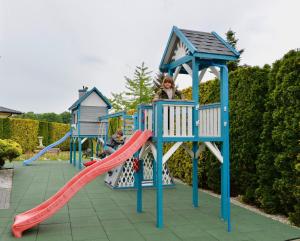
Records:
x=159, y=168
x=195, y=175
x=71, y=151
x=182, y=37
x=226, y=44
x=209, y=106
x=74, y=154
x=139, y=187
x=113, y=115
x=214, y=56
x=225, y=175
x=177, y=63
x=79, y=153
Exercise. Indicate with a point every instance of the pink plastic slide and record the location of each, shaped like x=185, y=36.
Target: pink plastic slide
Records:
x=48, y=208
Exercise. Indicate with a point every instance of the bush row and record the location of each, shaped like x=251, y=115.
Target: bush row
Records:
x=25, y=132
x=264, y=135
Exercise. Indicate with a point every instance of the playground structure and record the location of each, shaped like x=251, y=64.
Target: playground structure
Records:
x=85, y=123
x=187, y=52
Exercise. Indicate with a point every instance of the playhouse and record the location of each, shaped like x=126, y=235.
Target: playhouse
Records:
x=188, y=52
x=85, y=123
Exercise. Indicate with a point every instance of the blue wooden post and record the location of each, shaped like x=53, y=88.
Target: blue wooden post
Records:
x=139, y=174
x=71, y=151
x=79, y=153
x=225, y=170
x=195, y=94
x=74, y=150
x=159, y=186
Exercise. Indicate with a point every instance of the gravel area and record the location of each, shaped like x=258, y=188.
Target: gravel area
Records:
x=5, y=187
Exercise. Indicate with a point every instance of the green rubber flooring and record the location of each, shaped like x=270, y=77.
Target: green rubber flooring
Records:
x=99, y=213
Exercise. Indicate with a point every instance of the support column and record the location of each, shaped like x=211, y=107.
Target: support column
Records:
x=79, y=153
x=225, y=170
x=139, y=175
x=71, y=151
x=74, y=152
x=159, y=157
x=195, y=175
x=195, y=94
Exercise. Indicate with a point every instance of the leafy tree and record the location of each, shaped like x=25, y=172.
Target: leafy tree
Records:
x=248, y=88
x=64, y=117
x=279, y=180
x=231, y=39
x=139, y=89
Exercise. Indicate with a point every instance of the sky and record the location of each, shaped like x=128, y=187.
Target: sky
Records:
x=49, y=49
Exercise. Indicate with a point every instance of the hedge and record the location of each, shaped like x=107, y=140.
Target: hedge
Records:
x=264, y=135
x=26, y=132
x=57, y=131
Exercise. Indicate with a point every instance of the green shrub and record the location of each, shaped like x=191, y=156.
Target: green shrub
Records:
x=25, y=132
x=1, y=128
x=44, y=132
x=9, y=150
x=57, y=131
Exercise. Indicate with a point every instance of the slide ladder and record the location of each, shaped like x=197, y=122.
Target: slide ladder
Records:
x=47, y=148
x=48, y=208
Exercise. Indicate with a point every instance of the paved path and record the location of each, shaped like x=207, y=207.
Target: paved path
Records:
x=99, y=213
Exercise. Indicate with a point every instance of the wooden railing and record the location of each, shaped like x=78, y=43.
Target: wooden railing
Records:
x=178, y=120
x=210, y=120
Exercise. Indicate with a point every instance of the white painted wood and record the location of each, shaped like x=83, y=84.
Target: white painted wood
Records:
x=214, y=71
x=178, y=122
x=219, y=121
x=153, y=150
x=101, y=140
x=171, y=120
x=150, y=120
x=177, y=70
x=190, y=121
x=202, y=73
x=183, y=119
x=143, y=149
x=214, y=150
x=83, y=140
x=181, y=51
x=188, y=150
x=200, y=149
x=171, y=151
x=166, y=120
x=188, y=69
x=93, y=100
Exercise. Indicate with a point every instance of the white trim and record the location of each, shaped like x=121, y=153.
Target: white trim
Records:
x=177, y=70
x=188, y=150
x=202, y=73
x=171, y=151
x=214, y=150
x=153, y=149
x=83, y=140
x=214, y=71
x=188, y=69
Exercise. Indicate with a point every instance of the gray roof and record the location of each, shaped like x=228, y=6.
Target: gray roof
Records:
x=10, y=111
x=206, y=42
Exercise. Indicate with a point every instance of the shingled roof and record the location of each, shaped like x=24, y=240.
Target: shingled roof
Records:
x=207, y=42
x=203, y=45
x=9, y=111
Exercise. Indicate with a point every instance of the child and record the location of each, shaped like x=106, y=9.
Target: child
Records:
x=115, y=141
x=168, y=90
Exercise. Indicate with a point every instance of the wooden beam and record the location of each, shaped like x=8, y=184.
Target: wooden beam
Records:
x=171, y=151
x=214, y=150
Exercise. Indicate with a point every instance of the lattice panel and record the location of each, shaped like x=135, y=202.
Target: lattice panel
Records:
x=126, y=178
